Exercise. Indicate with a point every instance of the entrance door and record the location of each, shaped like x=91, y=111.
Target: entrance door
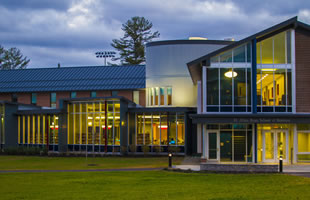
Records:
x=213, y=145
x=275, y=144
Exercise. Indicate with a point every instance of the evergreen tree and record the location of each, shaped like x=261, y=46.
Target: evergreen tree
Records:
x=137, y=32
x=12, y=59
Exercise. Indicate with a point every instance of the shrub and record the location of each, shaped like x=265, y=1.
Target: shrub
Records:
x=174, y=149
x=132, y=148
x=157, y=149
x=145, y=149
x=124, y=150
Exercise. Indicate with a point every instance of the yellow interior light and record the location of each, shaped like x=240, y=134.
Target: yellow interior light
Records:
x=230, y=74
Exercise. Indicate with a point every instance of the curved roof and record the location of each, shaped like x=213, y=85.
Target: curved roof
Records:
x=174, y=42
x=73, y=79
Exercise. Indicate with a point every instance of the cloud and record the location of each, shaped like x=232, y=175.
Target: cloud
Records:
x=70, y=31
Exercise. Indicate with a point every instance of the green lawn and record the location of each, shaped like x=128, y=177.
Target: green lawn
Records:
x=68, y=163
x=151, y=185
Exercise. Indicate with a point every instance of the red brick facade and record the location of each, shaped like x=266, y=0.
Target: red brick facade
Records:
x=302, y=52
x=142, y=97
x=24, y=98
x=44, y=99
x=126, y=93
x=5, y=97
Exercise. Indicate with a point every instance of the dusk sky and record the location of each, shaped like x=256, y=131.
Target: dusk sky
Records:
x=71, y=31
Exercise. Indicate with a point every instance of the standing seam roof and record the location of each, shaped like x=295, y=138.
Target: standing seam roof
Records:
x=73, y=78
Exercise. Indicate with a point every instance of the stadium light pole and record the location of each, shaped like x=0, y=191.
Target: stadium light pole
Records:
x=105, y=55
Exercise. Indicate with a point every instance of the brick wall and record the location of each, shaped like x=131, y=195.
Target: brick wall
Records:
x=126, y=93
x=105, y=93
x=24, y=98
x=302, y=45
x=82, y=94
x=44, y=99
x=5, y=97
x=142, y=97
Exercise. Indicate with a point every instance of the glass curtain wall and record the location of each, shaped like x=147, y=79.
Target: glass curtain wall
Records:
x=38, y=130
x=94, y=126
x=229, y=81
x=235, y=142
x=160, y=130
x=2, y=136
x=274, y=79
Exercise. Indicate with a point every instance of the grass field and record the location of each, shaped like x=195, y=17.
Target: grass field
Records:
x=151, y=185
x=69, y=163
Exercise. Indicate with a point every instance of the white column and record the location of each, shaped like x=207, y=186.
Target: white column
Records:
x=293, y=71
x=199, y=97
x=295, y=147
x=204, y=143
x=199, y=138
x=204, y=87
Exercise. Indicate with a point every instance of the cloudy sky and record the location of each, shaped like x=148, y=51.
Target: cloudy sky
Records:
x=71, y=31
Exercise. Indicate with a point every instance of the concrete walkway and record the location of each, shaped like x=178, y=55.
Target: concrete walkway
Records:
x=300, y=168
x=187, y=167
x=82, y=170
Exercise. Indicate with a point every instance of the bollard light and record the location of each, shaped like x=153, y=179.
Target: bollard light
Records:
x=170, y=160
x=280, y=164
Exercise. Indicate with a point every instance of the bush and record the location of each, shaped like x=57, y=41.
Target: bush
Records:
x=132, y=148
x=145, y=149
x=157, y=149
x=25, y=151
x=124, y=150
x=174, y=149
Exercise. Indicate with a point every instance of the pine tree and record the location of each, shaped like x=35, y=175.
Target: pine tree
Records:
x=12, y=59
x=137, y=32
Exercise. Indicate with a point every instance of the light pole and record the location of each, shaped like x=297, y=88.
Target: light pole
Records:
x=105, y=55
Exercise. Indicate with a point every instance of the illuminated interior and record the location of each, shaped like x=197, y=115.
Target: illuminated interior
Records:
x=160, y=129
x=235, y=143
x=159, y=96
x=274, y=141
x=90, y=124
x=38, y=130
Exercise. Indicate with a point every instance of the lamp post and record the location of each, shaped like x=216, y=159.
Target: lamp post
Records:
x=105, y=55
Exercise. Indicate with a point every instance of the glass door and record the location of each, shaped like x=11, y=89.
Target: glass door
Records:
x=282, y=145
x=213, y=145
x=268, y=146
x=275, y=144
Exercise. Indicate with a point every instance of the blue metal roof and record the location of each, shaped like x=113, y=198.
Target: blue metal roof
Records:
x=73, y=78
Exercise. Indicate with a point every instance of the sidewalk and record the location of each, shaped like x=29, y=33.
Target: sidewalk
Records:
x=81, y=170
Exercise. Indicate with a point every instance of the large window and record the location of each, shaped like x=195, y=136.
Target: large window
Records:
x=38, y=130
x=229, y=81
x=303, y=153
x=274, y=79
x=235, y=143
x=164, y=129
x=274, y=90
x=275, y=50
x=228, y=89
x=159, y=96
x=94, y=125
